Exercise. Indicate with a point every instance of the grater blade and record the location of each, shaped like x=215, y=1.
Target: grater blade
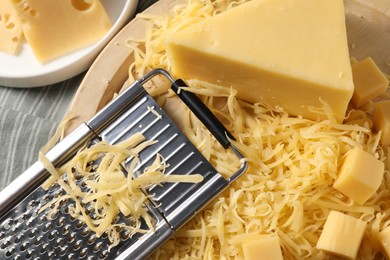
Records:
x=27, y=234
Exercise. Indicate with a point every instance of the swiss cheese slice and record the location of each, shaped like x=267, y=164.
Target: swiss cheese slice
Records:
x=289, y=53
x=56, y=27
x=10, y=28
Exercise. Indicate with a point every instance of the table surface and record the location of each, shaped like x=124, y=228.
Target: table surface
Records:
x=29, y=118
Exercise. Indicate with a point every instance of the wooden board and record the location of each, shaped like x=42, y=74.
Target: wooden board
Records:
x=368, y=28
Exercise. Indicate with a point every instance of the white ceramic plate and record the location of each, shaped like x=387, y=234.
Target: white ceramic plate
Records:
x=25, y=71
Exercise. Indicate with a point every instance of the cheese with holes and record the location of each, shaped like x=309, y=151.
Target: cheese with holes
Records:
x=266, y=247
x=360, y=175
x=288, y=53
x=342, y=235
x=56, y=27
x=382, y=120
x=10, y=28
x=369, y=81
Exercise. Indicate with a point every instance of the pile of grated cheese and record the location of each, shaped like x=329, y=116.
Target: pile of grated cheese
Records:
x=293, y=162
x=104, y=194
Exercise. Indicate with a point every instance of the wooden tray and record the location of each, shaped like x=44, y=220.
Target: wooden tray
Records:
x=368, y=28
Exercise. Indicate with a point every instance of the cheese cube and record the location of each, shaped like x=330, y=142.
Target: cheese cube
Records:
x=10, y=28
x=56, y=27
x=266, y=247
x=369, y=81
x=360, y=175
x=342, y=235
x=288, y=53
x=384, y=241
x=382, y=120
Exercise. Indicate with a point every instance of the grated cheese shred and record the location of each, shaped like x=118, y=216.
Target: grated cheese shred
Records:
x=293, y=162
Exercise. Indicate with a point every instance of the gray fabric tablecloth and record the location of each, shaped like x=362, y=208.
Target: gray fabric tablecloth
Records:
x=29, y=117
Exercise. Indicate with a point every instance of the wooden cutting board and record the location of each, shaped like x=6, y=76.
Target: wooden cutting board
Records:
x=368, y=28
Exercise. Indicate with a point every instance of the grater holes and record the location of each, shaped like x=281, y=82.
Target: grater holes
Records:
x=61, y=241
x=85, y=232
x=7, y=224
x=79, y=224
x=60, y=221
x=52, y=235
x=43, y=249
x=66, y=229
x=38, y=240
x=98, y=247
x=103, y=255
x=91, y=239
x=31, y=205
x=5, y=244
x=47, y=226
x=72, y=256
x=77, y=245
x=83, y=253
x=10, y=252
x=72, y=237
x=30, y=253
x=24, y=246
x=33, y=232
x=19, y=239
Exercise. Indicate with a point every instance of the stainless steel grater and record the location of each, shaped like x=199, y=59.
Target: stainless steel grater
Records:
x=25, y=234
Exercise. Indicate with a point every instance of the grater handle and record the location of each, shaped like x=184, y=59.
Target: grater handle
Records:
x=203, y=113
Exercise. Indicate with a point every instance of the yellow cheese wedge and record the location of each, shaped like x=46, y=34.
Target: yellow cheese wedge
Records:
x=11, y=35
x=56, y=27
x=266, y=247
x=382, y=120
x=288, y=53
x=360, y=175
x=342, y=235
x=369, y=81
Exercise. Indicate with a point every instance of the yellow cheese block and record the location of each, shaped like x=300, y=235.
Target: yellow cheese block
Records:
x=288, y=53
x=384, y=241
x=56, y=27
x=382, y=120
x=360, y=175
x=342, y=235
x=265, y=247
x=369, y=81
x=11, y=35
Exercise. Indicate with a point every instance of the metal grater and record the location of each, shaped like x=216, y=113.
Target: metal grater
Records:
x=25, y=234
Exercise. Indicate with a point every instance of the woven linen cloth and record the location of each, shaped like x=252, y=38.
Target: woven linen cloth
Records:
x=29, y=118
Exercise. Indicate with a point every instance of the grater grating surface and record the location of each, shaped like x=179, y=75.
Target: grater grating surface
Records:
x=27, y=234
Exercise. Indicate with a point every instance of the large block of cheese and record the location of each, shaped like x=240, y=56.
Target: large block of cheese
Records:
x=55, y=27
x=382, y=120
x=360, y=175
x=10, y=28
x=266, y=247
x=369, y=81
x=288, y=53
x=342, y=235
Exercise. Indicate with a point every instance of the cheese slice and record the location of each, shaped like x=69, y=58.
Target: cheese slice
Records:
x=56, y=27
x=10, y=28
x=288, y=53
